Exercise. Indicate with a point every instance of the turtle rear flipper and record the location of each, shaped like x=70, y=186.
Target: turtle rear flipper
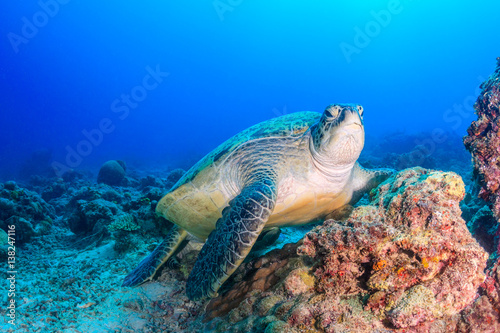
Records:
x=267, y=238
x=173, y=243
x=235, y=234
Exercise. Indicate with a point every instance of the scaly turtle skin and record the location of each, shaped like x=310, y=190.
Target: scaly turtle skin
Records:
x=286, y=171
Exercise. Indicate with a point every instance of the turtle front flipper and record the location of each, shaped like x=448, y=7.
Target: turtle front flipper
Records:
x=365, y=180
x=172, y=244
x=235, y=234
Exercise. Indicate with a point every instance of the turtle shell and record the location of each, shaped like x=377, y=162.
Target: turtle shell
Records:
x=291, y=125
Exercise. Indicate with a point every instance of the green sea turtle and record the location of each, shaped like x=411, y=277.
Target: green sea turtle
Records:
x=286, y=171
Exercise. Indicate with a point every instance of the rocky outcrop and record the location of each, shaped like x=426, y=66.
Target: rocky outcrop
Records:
x=406, y=261
x=483, y=140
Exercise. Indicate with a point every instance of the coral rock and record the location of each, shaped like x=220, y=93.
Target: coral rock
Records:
x=298, y=282
x=124, y=222
x=24, y=229
x=483, y=140
x=92, y=213
x=26, y=209
x=258, y=275
x=4, y=247
x=405, y=261
x=417, y=305
x=411, y=239
x=112, y=173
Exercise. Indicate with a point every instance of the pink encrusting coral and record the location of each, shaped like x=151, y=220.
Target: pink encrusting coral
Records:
x=484, y=314
x=406, y=261
x=409, y=250
x=483, y=140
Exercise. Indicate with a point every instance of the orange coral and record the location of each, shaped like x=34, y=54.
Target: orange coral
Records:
x=379, y=265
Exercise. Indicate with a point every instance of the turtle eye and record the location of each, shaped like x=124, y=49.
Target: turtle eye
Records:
x=360, y=110
x=334, y=111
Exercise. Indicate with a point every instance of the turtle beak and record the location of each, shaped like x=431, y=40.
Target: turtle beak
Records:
x=357, y=111
x=353, y=119
x=354, y=126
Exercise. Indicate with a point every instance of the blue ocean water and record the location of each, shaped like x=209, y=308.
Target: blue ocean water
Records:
x=161, y=83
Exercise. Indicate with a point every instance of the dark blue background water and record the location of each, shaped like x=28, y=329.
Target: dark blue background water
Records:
x=67, y=67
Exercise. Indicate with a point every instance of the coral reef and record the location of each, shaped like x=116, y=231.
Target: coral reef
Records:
x=54, y=190
x=123, y=221
x=483, y=140
x=258, y=275
x=74, y=249
x=98, y=213
x=112, y=173
x=406, y=261
x=412, y=236
x=26, y=209
x=402, y=261
x=484, y=314
x=481, y=222
x=91, y=213
x=4, y=247
x=174, y=176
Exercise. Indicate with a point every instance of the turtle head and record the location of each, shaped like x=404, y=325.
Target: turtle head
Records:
x=338, y=137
